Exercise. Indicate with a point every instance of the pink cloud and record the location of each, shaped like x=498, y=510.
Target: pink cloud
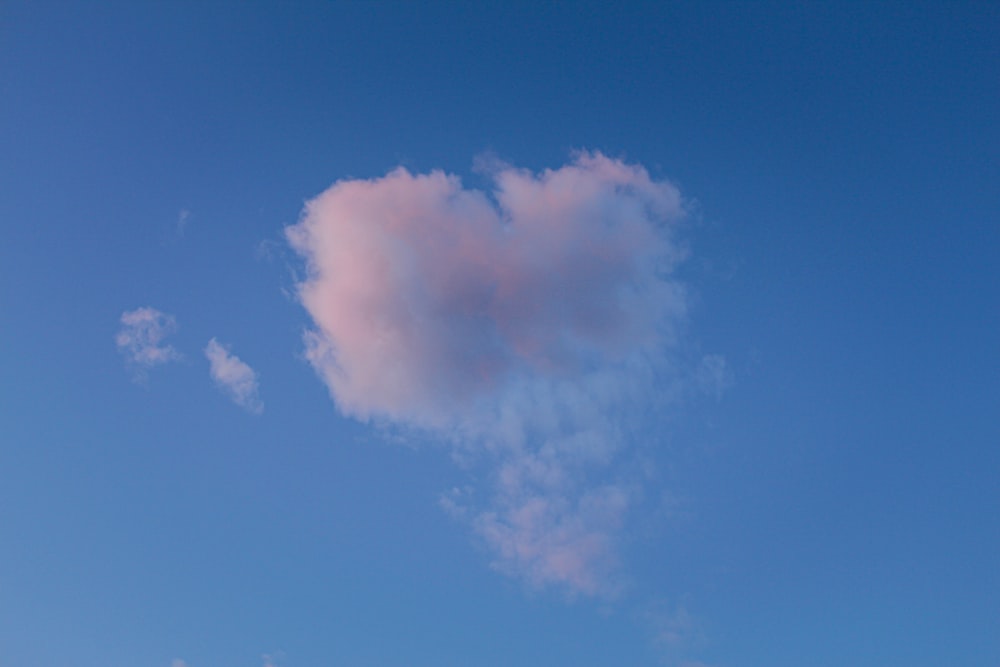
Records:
x=140, y=339
x=234, y=377
x=519, y=325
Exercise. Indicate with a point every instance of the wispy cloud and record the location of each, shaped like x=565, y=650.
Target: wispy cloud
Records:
x=140, y=340
x=183, y=218
x=714, y=376
x=234, y=377
x=272, y=659
x=527, y=327
x=676, y=633
x=673, y=627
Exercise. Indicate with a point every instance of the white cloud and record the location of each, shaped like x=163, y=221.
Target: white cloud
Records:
x=140, y=339
x=234, y=377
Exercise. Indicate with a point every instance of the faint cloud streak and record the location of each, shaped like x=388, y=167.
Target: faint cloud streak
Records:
x=183, y=218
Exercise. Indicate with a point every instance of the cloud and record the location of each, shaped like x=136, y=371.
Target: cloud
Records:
x=676, y=633
x=183, y=217
x=272, y=659
x=234, y=377
x=714, y=376
x=530, y=327
x=140, y=339
x=673, y=627
x=178, y=663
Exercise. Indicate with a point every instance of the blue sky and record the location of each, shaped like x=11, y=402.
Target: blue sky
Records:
x=807, y=463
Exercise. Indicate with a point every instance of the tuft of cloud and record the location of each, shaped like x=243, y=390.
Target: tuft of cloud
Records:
x=178, y=663
x=676, y=633
x=674, y=627
x=714, y=376
x=529, y=327
x=234, y=377
x=272, y=659
x=183, y=218
x=140, y=340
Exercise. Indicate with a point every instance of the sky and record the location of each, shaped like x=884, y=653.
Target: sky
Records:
x=490, y=334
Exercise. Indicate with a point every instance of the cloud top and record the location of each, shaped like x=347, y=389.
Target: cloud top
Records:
x=520, y=324
x=234, y=377
x=140, y=339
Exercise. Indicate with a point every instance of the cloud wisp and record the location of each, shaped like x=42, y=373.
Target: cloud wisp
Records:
x=234, y=377
x=183, y=218
x=528, y=327
x=140, y=340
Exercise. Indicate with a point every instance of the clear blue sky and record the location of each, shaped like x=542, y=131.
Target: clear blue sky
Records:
x=834, y=502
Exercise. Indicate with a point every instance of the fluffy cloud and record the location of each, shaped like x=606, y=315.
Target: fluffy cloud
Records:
x=527, y=326
x=140, y=339
x=234, y=377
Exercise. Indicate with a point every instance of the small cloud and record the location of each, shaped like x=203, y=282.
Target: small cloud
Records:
x=140, y=339
x=272, y=659
x=714, y=376
x=268, y=250
x=675, y=508
x=234, y=377
x=183, y=217
x=673, y=627
x=675, y=633
x=178, y=663
x=455, y=502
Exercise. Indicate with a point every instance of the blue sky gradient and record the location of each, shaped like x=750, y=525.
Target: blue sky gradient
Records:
x=835, y=503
